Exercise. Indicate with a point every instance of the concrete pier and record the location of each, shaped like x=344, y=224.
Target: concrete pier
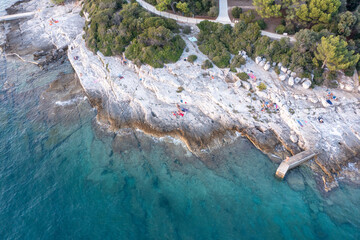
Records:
x=294, y=161
x=16, y=16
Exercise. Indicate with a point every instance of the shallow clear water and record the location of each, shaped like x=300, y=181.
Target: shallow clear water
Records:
x=63, y=177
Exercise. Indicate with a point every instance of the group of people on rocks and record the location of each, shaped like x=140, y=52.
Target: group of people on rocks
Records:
x=180, y=110
x=330, y=96
x=53, y=21
x=269, y=106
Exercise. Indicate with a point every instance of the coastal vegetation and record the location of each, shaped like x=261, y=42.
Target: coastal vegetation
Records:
x=117, y=27
x=58, y=1
x=243, y=76
x=327, y=37
x=192, y=58
x=206, y=64
x=187, y=7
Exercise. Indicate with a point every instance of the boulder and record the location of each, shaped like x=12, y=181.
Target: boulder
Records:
x=293, y=74
x=295, y=181
x=238, y=84
x=283, y=77
x=283, y=69
x=304, y=79
x=313, y=99
x=262, y=63
x=306, y=84
x=294, y=138
x=359, y=88
x=288, y=71
x=246, y=85
x=274, y=64
x=279, y=64
x=297, y=80
x=349, y=87
x=258, y=60
x=267, y=66
x=291, y=81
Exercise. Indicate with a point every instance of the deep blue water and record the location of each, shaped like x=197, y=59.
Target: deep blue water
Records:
x=63, y=177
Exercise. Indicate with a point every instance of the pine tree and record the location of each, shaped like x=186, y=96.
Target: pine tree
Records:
x=183, y=7
x=267, y=8
x=333, y=53
x=318, y=11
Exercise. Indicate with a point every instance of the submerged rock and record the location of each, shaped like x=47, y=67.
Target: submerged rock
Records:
x=295, y=180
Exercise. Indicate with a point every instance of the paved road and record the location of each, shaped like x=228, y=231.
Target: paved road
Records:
x=223, y=12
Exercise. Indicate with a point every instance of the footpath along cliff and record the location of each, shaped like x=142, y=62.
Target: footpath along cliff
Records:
x=217, y=104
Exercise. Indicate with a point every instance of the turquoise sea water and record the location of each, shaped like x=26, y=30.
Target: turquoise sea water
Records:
x=63, y=177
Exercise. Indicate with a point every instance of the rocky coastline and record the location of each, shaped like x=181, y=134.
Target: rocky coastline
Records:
x=219, y=104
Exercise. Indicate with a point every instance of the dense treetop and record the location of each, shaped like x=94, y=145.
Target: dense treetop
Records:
x=116, y=27
x=187, y=7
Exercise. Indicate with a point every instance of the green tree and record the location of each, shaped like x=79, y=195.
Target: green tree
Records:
x=162, y=5
x=236, y=11
x=333, y=53
x=267, y=8
x=183, y=7
x=351, y=5
x=306, y=40
x=318, y=11
x=346, y=23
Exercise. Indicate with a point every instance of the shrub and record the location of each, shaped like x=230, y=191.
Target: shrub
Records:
x=318, y=76
x=350, y=71
x=180, y=89
x=236, y=11
x=261, y=24
x=261, y=86
x=237, y=61
x=290, y=28
x=243, y=76
x=58, y=1
x=186, y=30
x=213, y=12
x=318, y=27
x=277, y=70
x=248, y=16
x=192, y=58
x=222, y=61
x=331, y=75
x=280, y=29
x=206, y=64
x=305, y=75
